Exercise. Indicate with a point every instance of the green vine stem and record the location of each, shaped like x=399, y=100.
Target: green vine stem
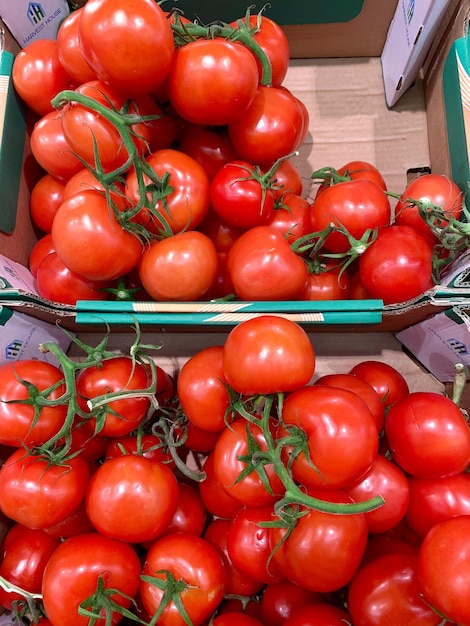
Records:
x=293, y=495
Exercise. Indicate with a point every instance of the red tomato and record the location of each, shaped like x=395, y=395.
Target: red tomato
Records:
x=51, y=150
x=263, y=266
x=354, y=170
x=182, y=267
x=291, y=216
x=19, y=425
x=274, y=43
x=147, y=489
x=202, y=391
x=56, y=282
x=249, y=545
x=84, y=560
x=317, y=614
x=46, y=197
x=238, y=582
x=287, y=179
x=428, y=435
x=180, y=202
x=223, y=235
x=115, y=36
x=25, y=552
x=433, y=500
x=235, y=619
x=37, y=494
x=434, y=189
x=240, y=196
x=41, y=248
x=38, y=75
x=341, y=433
x=444, y=568
x=386, y=591
x=76, y=523
x=69, y=51
x=216, y=499
x=220, y=75
x=281, y=598
x=362, y=389
x=120, y=373
x=330, y=283
x=211, y=148
x=356, y=205
x=91, y=136
x=190, y=514
x=397, y=266
x=271, y=128
x=199, y=571
x=268, y=354
x=323, y=551
x=230, y=461
x=90, y=241
x=387, y=381
x=86, y=180
x=386, y=479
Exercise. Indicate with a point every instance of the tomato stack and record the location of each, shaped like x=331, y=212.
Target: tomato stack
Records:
x=244, y=489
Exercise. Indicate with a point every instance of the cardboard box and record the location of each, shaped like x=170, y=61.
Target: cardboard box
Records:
x=409, y=38
x=28, y=21
x=349, y=119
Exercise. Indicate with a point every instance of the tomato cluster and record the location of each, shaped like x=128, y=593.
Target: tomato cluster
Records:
x=244, y=489
x=168, y=172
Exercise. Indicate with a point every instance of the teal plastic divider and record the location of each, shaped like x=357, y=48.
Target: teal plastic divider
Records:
x=281, y=11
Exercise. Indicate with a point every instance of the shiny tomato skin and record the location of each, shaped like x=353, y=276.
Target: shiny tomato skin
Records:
x=324, y=550
x=443, y=568
x=236, y=619
x=182, y=267
x=249, y=545
x=263, y=266
x=17, y=420
x=201, y=389
x=238, y=198
x=132, y=483
x=318, y=614
x=230, y=446
x=216, y=499
x=433, y=500
x=428, y=435
x=38, y=75
x=397, y=266
x=190, y=514
x=281, y=598
x=38, y=495
x=193, y=560
x=118, y=34
x=292, y=216
x=41, y=248
x=25, y=552
x=120, y=373
x=386, y=591
x=220, y=75
x=56, y=282
x=287, y=179
x=69, y=51
x=51, y=150
x=436, y=189
x=386, y=479
x=238, y=582
x=328, y=284
x=271, y=128
x=210, y=147
x=46, y=197
x=148, y=445
x=82, y=560
x=357, y=205
x=387, y=381
x=187, y=201
x=341, y=433
x=362, y=388
x=90, y=241
x=223, y=235
x=268, y=354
